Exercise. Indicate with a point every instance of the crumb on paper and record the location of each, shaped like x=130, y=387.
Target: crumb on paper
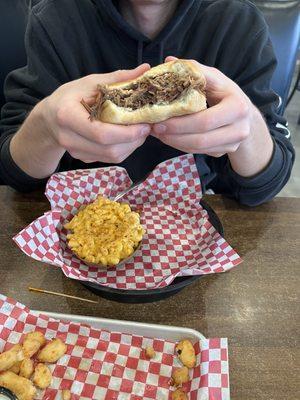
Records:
x=66, y=394
x=149, y=352
x=179, y=394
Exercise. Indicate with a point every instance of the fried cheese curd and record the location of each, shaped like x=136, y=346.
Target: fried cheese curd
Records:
x=105, y=232
x=33, y=341
x=21, y=387
x=42, y=377
x=53, y=351
x=17, y=368
x=10, y=357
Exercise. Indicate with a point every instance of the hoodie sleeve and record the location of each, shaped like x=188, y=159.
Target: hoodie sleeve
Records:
x=254, y=77
x=24, y=88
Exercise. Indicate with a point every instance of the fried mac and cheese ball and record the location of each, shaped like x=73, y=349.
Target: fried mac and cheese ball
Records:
x=179, y=394
x=186, y=353
x=105, y=232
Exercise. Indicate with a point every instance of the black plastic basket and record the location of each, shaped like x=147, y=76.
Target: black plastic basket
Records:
x=148, y=296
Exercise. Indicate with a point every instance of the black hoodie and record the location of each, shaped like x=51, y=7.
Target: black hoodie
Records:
x=68, y=39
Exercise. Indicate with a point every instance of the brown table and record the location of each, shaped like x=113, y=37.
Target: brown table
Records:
x=255, y=305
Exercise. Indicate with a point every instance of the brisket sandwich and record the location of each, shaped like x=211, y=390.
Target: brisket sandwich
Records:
x=168, y=90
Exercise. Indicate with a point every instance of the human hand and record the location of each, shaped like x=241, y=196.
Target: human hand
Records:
x=218, y=130
x=69, y=126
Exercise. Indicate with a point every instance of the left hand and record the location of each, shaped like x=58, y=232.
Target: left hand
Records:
x=216, y=131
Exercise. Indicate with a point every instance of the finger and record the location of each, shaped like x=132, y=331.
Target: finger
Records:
x=80, y=147
x=216, y=155
x=86, y=161
x=207, y=71
x=83, y=149
x=90, y=83
x=117, y=76
x=111, y=154
x=215, y=79
x=75, y=118
x=222, y=114
x=132, y=147
x=219, y=138
x=187, y=148
x=105, y=157
x=170, y=58
x=124, y=75
x=220, y=151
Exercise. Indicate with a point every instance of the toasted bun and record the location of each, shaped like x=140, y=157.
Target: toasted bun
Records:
x=191, y=102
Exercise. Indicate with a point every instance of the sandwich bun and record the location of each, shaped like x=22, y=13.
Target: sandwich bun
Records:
x=192, y=100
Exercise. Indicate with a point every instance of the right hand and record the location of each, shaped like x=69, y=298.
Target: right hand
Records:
x=69, y=126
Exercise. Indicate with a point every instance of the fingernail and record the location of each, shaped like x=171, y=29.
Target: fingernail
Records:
x=145, y=130
x=160, y=128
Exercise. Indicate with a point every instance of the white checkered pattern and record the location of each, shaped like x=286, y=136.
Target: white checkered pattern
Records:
x=179, y=239
x=110, y=365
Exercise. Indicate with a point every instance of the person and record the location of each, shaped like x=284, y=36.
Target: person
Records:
x=239, y=146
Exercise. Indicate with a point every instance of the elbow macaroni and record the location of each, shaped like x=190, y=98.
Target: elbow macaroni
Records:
x=105, y=232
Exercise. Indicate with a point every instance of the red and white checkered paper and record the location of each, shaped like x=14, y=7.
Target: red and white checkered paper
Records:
x=179, y=238
x=103, y=365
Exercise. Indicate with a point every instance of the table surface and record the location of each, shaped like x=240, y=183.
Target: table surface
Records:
x=255, y=305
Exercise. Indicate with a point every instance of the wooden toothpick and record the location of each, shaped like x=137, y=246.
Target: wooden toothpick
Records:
x=32, y=289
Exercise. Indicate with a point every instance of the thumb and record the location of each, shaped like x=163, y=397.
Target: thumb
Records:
x=91, y=82
x=215, y=79
x=170, y=58
x=124, y=74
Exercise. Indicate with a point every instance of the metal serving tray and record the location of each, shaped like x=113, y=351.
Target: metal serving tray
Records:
x=171, y=333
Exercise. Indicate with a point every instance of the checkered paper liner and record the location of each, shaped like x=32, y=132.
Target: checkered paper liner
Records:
x=179, y=238
x=105, y=365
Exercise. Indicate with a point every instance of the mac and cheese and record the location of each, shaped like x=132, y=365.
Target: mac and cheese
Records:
x=105, y=232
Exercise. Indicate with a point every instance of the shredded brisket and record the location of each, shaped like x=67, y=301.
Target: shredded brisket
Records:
x=164, y=88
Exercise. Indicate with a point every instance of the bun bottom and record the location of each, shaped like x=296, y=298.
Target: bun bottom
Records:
x=192, y=102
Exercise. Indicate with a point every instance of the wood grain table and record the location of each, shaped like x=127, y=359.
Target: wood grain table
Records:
x=256, y=305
